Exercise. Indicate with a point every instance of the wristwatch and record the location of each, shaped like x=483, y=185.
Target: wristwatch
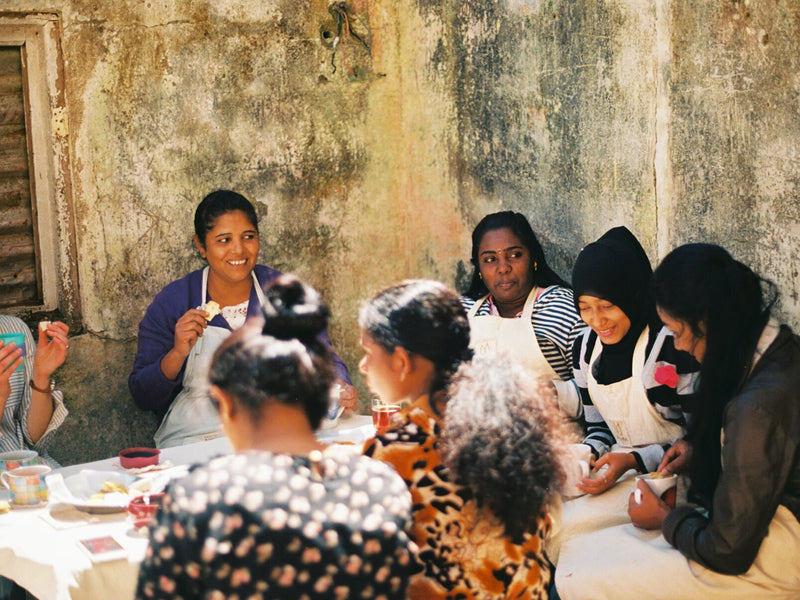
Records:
x=48, y=390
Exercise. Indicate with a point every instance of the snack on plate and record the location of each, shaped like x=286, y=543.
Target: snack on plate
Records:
x=4, y=506
x=109, y=491
x=212, y=309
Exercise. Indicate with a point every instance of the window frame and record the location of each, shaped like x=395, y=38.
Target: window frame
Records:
x=38, y=36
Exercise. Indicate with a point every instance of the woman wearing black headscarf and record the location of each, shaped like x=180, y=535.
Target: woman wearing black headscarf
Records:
x=633, y=388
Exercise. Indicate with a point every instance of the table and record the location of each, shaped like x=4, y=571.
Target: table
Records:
x=601, y=554
x=38, y=547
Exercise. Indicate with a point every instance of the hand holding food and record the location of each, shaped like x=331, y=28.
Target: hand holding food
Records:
x=676, y=458
x=51, y=350
x=188, y=329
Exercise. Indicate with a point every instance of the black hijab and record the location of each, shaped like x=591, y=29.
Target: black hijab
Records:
x=616, y=268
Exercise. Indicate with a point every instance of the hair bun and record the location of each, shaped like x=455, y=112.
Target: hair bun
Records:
x=293, y=309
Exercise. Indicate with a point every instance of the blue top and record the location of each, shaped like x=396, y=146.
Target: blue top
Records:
x=150, y=388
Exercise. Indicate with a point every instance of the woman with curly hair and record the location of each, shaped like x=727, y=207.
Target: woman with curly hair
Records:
x=415, y=335
x=502, y=444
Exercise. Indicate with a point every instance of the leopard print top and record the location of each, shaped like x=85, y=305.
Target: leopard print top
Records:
x=463, y=549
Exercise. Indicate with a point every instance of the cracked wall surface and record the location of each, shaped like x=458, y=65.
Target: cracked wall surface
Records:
x=677, y=119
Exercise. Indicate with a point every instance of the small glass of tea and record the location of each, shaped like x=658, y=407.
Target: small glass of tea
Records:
x=382, y=414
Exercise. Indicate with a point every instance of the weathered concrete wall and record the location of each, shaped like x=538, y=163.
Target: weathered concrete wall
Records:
x=735, y=118
x=674, y=118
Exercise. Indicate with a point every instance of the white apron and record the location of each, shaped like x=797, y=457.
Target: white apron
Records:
x=192, y=417
x=625, y=407
x=512, y=336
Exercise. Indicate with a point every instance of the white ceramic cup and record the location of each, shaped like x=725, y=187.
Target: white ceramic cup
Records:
x=578, y=467
x=661, y=486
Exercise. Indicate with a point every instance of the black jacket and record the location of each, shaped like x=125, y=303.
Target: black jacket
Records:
x=760, y=466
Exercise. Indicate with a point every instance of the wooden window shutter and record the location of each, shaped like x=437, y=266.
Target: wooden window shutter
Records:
x=20, y=274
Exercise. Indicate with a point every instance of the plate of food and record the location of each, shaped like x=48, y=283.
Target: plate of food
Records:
x=99, y=492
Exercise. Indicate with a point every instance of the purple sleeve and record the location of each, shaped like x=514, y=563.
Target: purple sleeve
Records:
x=338, y=364
x=150, y=388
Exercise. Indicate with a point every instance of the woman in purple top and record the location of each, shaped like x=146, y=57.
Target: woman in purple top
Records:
x=177, y=336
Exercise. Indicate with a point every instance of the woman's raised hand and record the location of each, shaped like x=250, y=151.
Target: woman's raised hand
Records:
x=616, y=463
x=51, y=350
x=188, y=330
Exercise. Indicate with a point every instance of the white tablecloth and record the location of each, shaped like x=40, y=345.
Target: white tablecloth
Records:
x=39, y=547
x=601, y=555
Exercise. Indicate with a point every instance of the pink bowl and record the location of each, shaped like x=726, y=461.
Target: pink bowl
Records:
x=131, y=458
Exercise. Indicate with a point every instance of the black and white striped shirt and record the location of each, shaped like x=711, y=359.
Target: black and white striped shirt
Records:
x=674, y=404
x=555, y=322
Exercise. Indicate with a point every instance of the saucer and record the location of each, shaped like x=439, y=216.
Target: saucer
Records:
x=42, y=504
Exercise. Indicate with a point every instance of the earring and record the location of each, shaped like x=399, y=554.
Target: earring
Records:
x=535, y=266
x=480, y=276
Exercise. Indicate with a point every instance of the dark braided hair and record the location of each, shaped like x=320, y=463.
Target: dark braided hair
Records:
x=279, y=357
x=423, y=317
x=543, y=275
x=216, y=204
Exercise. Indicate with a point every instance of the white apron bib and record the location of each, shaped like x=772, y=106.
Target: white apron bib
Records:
x=192, y=417
x=513, y=336
x=625, y=407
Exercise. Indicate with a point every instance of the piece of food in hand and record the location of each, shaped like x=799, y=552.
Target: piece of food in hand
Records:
x=212, y=309
x=43, y=325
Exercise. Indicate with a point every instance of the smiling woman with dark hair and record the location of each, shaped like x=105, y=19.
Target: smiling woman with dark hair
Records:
x=180, y=331
x=634, y=390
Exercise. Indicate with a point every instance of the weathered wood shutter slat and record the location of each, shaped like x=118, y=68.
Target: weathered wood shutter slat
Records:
x=18, y=271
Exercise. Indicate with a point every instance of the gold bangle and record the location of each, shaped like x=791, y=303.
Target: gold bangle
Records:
x=47, y=390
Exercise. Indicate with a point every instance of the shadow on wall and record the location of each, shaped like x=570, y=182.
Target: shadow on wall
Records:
x=102, y=417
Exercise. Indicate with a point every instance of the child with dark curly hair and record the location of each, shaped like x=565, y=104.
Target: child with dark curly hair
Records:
x=503, y=444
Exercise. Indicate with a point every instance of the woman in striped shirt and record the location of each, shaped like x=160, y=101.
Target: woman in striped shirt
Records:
x=31, y=408
x=632, y=387
x=515, y=302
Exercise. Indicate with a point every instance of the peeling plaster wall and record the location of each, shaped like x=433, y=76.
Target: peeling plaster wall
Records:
x=677, y=119
x=735, y=152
